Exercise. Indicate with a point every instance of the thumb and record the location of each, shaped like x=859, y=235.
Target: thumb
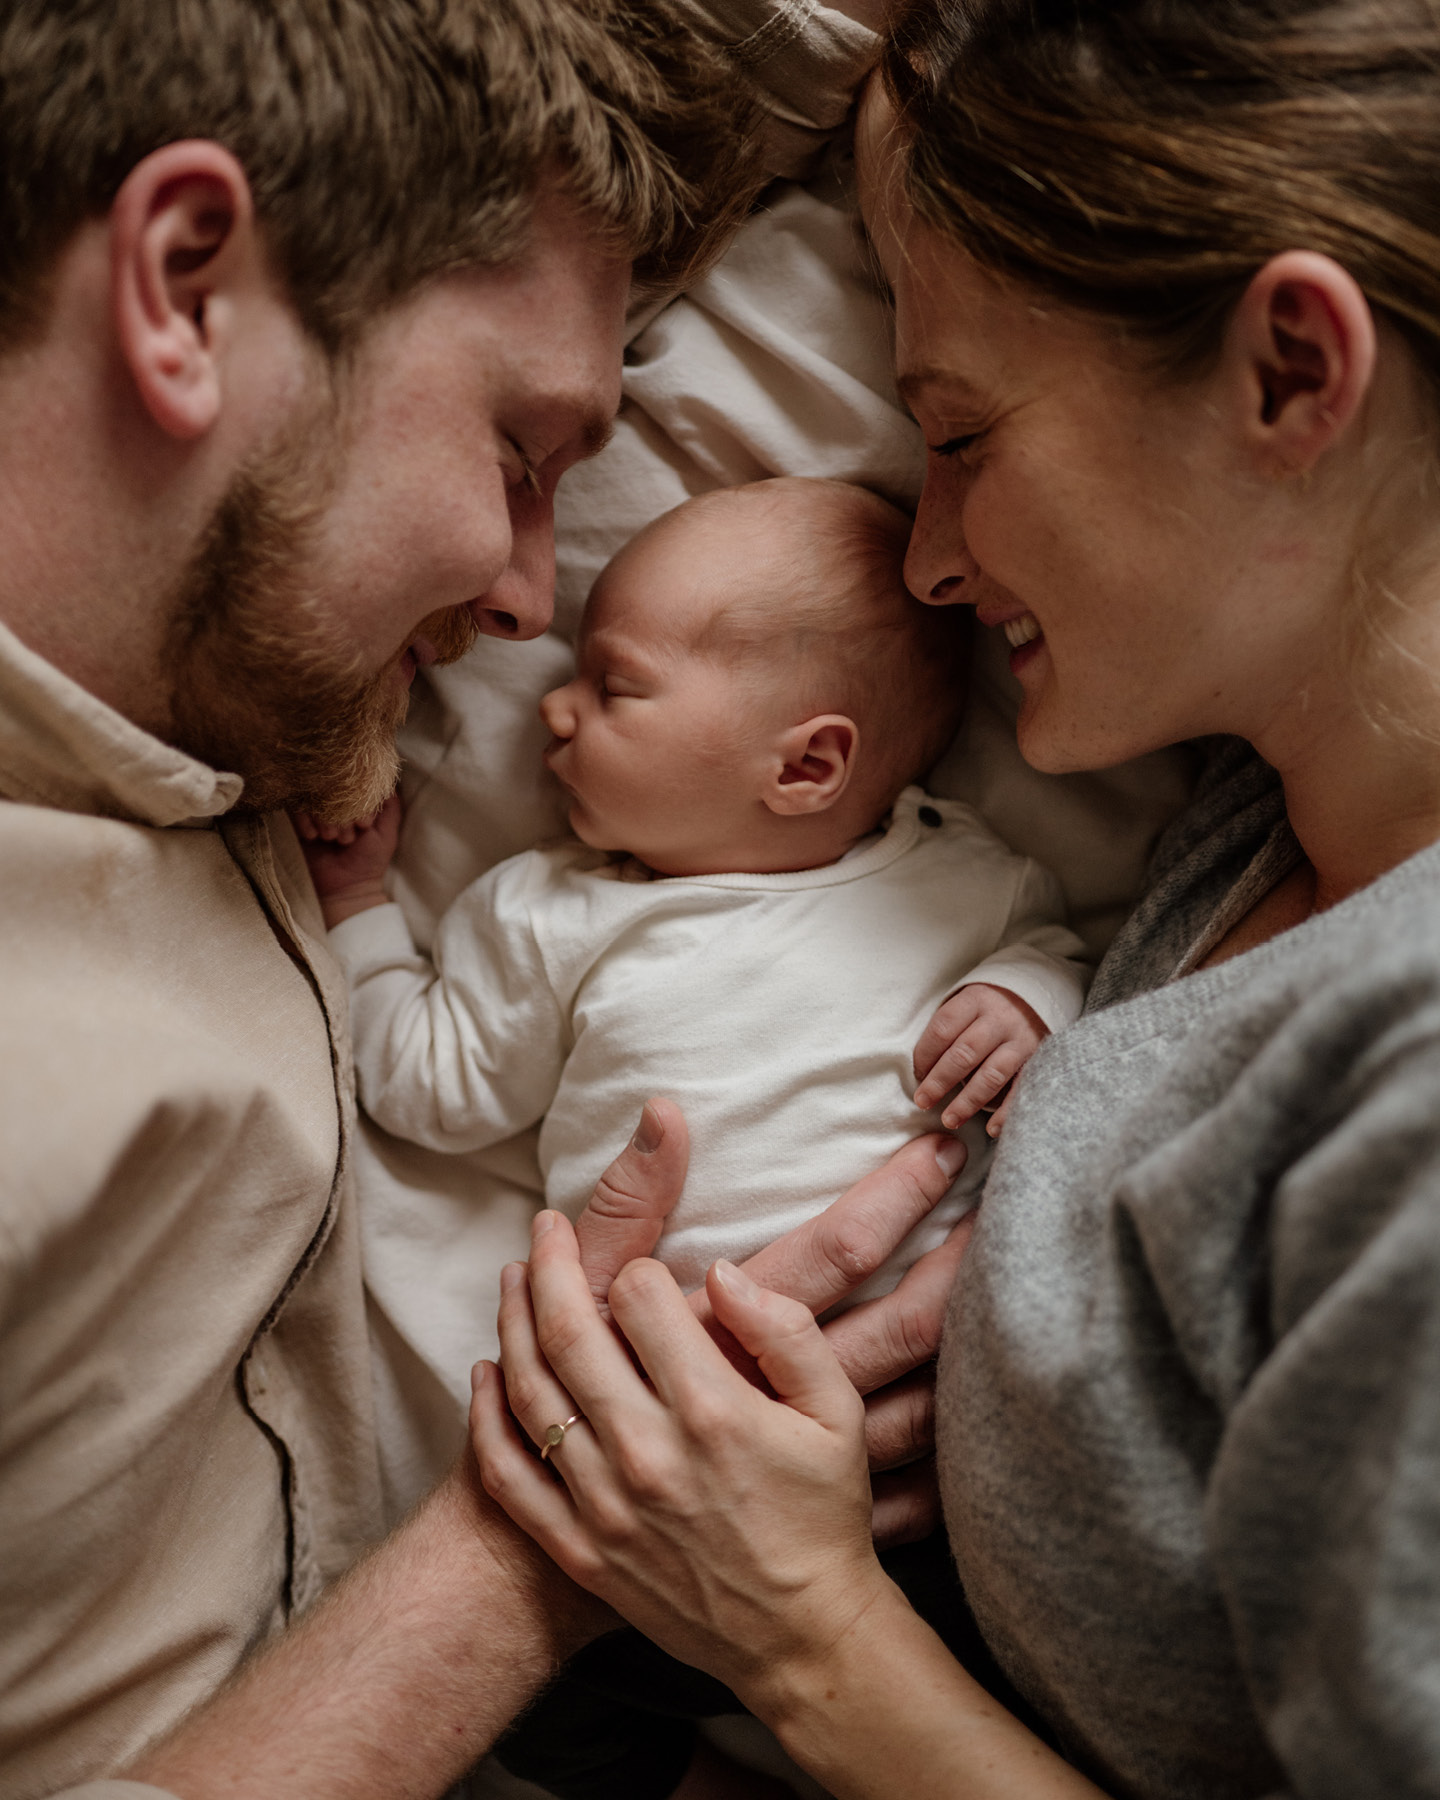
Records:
x=627, y=1211
x=788, y=1346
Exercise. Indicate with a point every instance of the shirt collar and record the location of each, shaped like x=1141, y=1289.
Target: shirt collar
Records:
x=63, y=748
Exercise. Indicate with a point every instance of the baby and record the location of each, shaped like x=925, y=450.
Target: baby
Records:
x=762, y=918
x=760, y=914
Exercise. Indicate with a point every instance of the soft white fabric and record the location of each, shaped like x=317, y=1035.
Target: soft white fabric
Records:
x=778, y=363
x=779, y=1011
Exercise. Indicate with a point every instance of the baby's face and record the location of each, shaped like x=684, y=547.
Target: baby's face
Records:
x=657, y=744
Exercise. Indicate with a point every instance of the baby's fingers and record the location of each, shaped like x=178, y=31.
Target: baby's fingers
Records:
x=958, y=1063
x=958, y=1013
x=985, y=1086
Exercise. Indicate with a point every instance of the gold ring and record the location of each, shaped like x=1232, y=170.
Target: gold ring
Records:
x=554, y=1434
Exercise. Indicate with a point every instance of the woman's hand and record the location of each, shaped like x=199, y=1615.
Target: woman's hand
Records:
x=732, y=1527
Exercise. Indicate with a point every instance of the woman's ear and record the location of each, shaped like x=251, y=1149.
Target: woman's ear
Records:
x=812, y=767
x=183, y=248
x=1302, y=341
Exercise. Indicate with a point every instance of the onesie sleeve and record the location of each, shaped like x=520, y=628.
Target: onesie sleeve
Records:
x=1038, y=958
x=465, y=1051
x=1323, y=1509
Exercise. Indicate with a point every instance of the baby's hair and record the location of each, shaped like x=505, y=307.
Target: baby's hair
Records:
x=838, y=608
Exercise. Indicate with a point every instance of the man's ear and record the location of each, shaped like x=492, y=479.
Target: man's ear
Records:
x=1302, y=341
x=812, y=767
x=182, y=246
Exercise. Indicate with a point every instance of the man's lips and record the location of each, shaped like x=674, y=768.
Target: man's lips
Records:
x=418, y=654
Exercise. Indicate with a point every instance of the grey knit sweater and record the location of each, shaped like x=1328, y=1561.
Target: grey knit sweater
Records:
x=1190, y=1386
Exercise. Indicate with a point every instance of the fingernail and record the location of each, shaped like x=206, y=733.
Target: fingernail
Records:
x=478, y=1373
x=951, y=1157
x=648, y=1133
x=735, y=1281
x=511, y=1276
x=544, y=1221
x=950, y=1120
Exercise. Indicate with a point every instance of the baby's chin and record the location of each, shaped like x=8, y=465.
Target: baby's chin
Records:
x=590, y=831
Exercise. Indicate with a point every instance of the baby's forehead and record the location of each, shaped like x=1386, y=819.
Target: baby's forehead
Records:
x=741, y=568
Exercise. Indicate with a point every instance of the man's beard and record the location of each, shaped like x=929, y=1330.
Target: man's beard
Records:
x=261, y=681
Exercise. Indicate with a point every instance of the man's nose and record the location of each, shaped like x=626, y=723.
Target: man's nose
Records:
x=521, y=603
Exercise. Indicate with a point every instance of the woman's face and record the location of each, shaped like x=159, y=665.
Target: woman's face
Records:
x=1154, y=584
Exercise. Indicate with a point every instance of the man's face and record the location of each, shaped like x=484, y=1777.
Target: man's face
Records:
x=407, y=506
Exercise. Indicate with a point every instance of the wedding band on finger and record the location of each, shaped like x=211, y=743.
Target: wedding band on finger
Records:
x=555, y=1436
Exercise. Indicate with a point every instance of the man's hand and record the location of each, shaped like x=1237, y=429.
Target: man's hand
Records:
x=981, y=1037
x=348, y=862
x=886, y=1346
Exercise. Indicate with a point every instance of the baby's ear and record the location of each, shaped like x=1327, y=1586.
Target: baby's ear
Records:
x=812, y=765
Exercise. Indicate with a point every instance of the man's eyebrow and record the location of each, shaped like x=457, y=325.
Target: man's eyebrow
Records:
x=910, y=382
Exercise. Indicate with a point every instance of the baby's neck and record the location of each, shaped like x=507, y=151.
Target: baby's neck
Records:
x=781, y=847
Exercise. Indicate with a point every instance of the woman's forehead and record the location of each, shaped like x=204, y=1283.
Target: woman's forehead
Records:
x=969, y=338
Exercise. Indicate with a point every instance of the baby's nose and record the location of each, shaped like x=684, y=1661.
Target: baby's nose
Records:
x=556, y=713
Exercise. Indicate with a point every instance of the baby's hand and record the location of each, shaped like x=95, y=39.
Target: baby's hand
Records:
x=348, y=862
x=983, y=1037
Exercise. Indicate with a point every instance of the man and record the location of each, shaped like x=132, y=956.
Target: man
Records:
x=305, y=306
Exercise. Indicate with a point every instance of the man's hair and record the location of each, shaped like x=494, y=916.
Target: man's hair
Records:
x=386, y=141
x=840, y=630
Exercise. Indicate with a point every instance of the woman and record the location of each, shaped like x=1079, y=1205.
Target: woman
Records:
x=1168, y=311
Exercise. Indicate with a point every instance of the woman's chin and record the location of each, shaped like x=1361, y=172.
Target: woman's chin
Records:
x=1054, y=744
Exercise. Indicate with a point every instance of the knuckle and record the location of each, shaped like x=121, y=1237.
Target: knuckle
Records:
x=613, y=1197
x=559, y=1335
x=707, y=1418
x=914, y=1333
x=638, y=1280
x=646, y=1475
x=854, y=1248
x=523, y=1393
x=492, y=1479
x=610, y=1522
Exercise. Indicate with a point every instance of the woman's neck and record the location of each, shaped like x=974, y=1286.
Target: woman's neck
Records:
x=1361, y=762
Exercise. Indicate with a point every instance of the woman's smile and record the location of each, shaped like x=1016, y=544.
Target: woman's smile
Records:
x=1021, y=631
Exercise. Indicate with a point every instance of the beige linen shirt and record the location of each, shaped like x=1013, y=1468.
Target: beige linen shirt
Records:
x=187, y=1449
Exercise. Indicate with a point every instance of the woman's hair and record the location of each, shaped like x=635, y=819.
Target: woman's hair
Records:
x=1142, y=159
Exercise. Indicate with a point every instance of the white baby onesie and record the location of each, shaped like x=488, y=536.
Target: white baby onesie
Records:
x=779, y=1011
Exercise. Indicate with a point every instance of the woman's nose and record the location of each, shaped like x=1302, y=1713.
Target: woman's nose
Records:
x=939, y=568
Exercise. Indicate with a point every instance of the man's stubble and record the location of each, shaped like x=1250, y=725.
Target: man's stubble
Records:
x=261, y=680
